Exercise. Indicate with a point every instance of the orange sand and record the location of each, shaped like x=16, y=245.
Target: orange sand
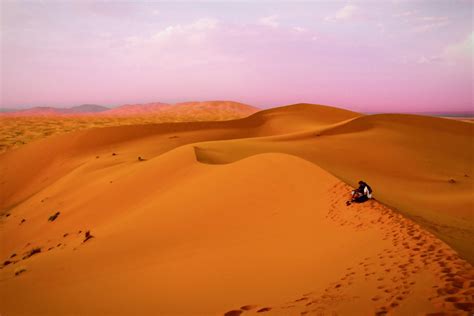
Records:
x=243, y=217
x=20, y=128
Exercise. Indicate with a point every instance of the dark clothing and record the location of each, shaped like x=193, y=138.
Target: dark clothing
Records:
x=362, y=193
x=362, y=186
x=361, y=199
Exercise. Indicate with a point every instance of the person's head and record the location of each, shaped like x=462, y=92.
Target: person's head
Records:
x=361, y=182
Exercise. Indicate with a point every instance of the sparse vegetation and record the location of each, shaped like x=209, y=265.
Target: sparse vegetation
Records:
x=17, y=273
x=52, y=218
x=20, y=130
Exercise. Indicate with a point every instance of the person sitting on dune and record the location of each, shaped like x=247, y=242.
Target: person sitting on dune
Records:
x=362, y=193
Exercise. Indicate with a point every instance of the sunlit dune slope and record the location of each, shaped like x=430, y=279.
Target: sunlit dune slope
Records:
x=55, y=155
x=269, y=232
x=422, y=166
x=419, y=165
x=198, y=110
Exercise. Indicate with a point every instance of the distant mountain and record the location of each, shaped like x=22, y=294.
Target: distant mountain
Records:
x=51, y=111
x=87, y=108
x=6, y=110
x=136, y=109
x=187, y=111
x=36, y=111
x=450, y=114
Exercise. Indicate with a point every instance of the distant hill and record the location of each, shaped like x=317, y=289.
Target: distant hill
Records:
x=87, y=108
x=51, y=111
x=208, y=110
x=136, y=109
x=36, y=111
x=6, y=110
x=450, y=114
x=186, y=109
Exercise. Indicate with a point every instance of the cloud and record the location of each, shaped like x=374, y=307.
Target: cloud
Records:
x=179, y=46
x=155, y=12
x=269, y=21
x=348, y=12
x=428, y=59
x=189, y=33
x=405, y=14
x=434, y=23
x=299, y=29
x=423, y=23
x=434, y=18
x=460, y=52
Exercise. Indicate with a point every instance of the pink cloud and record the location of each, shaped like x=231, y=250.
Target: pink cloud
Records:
x=372, y=60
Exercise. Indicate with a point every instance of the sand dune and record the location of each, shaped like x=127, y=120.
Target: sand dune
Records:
x=242, y=217
x=199, y=111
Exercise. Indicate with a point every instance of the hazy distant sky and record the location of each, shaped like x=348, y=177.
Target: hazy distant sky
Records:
x=363, y=55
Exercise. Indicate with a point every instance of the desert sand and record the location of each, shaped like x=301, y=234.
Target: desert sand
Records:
x=22, y=127
x=242, y=217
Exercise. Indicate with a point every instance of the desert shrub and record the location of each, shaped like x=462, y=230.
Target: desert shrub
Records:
x=52, y=218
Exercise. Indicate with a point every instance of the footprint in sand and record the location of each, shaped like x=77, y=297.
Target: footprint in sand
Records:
x=235, y=312
x=248, y=307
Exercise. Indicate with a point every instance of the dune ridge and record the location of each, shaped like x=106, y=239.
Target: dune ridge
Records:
x=241, y=217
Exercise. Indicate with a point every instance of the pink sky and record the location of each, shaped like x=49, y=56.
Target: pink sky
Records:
x=376, y=56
